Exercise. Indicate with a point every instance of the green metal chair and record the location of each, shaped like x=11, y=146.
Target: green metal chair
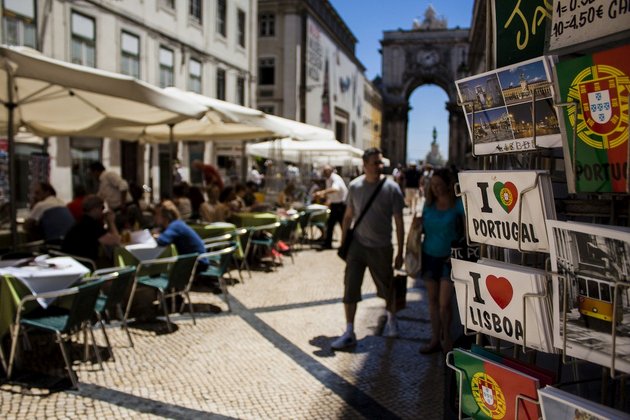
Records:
x=318, y=219
x=287, y=233
x=63, y=322
x=219, y=256
x=176, y=280
x=233, y=236
x=120, y=285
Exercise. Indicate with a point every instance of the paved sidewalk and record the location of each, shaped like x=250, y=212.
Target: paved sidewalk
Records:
x=269, y=358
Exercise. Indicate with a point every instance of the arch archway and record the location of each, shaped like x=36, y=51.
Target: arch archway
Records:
x=429, y=53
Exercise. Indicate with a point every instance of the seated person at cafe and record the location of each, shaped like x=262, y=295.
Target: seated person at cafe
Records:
x=76, y=205
x=49, y=218
x=223, y=208
x=177, y=232
x=238, y=204
x=181, y=200
x=89, y=236
x=287, y=196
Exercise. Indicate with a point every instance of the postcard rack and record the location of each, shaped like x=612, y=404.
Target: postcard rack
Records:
x=518, y=400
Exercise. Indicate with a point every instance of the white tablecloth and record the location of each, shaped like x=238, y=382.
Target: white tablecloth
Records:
x=146, y=251
x=62, y=273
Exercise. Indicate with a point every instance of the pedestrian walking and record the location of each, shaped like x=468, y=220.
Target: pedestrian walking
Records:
x=442, y=221
x=335, y=195
x=371, y=246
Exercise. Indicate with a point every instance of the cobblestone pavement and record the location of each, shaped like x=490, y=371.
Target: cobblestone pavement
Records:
x=269, y=358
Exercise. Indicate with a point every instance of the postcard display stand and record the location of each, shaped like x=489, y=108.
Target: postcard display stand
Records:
x=571, y=293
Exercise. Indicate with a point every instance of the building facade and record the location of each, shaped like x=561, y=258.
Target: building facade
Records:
x=205, y=46
x=307, y=68
x=372, y=115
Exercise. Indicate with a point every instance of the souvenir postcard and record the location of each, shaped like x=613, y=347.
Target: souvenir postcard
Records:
x=592, y=266
x=491, y=299
x=508, y=208
x=510, y=109
x=544, y=376
x=557, y=404
x=490, y=390
x=595, y=129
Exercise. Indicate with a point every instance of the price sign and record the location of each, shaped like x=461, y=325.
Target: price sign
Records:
x=578, y=22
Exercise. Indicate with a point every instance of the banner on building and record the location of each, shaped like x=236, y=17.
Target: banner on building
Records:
x=519, y=29
x=595, y=130
x=511, y=109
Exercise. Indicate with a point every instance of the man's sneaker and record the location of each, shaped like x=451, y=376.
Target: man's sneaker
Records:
x=391, y=329
x=345, y=341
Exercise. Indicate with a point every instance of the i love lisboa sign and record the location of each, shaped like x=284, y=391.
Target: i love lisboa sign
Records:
x=490, y=298
x=508, y=208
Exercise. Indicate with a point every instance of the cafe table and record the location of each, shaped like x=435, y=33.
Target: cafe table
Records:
x=210, y=230
x=249, y=219
x=40, y=276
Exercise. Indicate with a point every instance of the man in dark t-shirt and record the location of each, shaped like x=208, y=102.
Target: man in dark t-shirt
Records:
x=85, y=238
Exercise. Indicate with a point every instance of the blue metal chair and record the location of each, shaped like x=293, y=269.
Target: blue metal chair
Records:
x=62, y=322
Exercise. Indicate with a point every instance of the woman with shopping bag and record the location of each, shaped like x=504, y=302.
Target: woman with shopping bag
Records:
x=441, y=222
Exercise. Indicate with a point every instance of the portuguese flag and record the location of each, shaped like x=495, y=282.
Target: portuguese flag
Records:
x=490, y=389
x=599, y=84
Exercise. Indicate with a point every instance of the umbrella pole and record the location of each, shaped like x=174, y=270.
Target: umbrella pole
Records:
x=10, y=105
x=171, y=141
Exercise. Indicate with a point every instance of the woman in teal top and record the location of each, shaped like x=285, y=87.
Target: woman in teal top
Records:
x=442, y=220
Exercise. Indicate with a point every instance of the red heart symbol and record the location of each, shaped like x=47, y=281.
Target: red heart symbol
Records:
x=500, y=289
x=506, y=194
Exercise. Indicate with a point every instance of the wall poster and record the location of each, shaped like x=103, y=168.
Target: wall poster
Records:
x=492, y=201
x=599, y=84
x=505, y=107
x=592, y=263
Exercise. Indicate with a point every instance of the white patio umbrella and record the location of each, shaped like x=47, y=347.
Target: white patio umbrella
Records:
x=51, y=97
x=280, y=127
x=304, y=151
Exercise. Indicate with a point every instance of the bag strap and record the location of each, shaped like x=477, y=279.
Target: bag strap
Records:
x=369, y=203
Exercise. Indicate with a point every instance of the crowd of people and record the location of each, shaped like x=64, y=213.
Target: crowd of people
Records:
x=92, y=223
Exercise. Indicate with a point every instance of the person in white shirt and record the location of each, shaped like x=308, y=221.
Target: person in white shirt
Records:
x=255, y=176
x=335, y=194
x=49, y=218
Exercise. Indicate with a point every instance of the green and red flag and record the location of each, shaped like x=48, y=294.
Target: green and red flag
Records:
x=599, y=85
x=490, y=390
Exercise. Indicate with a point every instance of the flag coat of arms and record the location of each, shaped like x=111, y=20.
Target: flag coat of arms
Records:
x=599, y=86
x=490, y=389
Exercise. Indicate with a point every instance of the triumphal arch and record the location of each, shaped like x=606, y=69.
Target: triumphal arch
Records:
x=429, y=53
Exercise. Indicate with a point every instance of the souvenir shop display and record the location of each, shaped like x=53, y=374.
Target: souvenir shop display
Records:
x=558, y=404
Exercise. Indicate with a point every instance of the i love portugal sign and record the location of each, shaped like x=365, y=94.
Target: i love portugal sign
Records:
x=507, y=208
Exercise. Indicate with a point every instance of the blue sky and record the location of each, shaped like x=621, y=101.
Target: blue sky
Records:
x=367, y=19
